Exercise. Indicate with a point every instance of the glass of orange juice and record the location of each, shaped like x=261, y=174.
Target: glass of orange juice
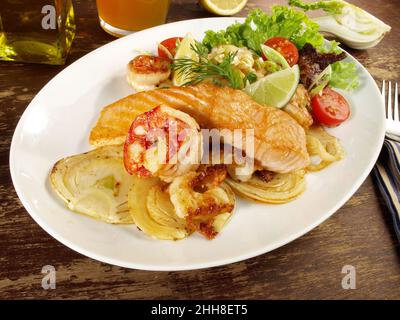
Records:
x=122, y=17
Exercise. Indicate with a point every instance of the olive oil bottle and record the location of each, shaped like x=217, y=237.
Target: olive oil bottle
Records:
x=38, y=31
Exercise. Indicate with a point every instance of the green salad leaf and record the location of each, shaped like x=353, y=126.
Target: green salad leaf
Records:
x=259, y=26
x=290, y=23
x=329, y=6
x=344, y=76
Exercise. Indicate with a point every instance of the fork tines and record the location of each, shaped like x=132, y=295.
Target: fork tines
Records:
x=392, y=109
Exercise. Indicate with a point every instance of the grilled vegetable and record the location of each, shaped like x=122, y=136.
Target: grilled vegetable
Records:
x=95, y=184
x=153, y=212
x=281, y=188
x=323, y=148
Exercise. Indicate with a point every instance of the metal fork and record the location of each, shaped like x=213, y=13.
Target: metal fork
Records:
x=392, y=110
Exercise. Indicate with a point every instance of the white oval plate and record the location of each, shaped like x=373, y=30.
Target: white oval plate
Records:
x=57, y=124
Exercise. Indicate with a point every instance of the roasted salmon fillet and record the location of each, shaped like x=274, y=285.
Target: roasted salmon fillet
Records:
x=279, y=141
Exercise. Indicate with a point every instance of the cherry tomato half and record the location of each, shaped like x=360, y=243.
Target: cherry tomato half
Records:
x=330, y=107
x=286, y=48
x=170, y=44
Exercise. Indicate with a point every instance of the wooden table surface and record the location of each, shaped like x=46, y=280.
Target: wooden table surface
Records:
x=359, y=234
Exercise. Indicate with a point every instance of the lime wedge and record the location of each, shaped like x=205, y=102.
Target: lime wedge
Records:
x=276, y=89
x=223, y=7
x=274, y=56
x=321, y=81
x=184, y=51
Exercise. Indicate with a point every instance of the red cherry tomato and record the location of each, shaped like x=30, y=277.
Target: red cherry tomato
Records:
x=330, y=108
x=286, y=48
x=170, y=44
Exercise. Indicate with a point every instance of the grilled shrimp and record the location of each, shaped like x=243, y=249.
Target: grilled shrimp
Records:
x=145, y=72
x=201, y=197
x=164, y=143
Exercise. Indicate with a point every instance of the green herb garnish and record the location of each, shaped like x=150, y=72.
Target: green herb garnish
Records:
x=198, y=71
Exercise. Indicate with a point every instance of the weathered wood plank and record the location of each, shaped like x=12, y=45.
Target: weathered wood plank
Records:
x=359, y=234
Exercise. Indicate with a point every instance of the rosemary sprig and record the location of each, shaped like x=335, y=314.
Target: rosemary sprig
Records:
x=198, y=71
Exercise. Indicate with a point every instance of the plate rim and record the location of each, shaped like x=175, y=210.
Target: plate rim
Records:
x=195, y=266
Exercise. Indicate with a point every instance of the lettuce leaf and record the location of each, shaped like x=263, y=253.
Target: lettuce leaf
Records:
x=292, y=24
x=259, y=26
x=344, y=76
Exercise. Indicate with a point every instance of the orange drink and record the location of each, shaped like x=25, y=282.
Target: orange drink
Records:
x=121, y=17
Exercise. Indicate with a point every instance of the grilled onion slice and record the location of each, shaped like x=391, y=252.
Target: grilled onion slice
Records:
x=281, y=188
x=323, y=148
x=153, y=212
x=95, y=184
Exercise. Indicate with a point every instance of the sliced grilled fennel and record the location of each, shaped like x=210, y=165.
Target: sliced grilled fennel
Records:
x=95, y=184
x=153, y=211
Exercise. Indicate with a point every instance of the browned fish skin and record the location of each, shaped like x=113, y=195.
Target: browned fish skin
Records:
x=280, y=143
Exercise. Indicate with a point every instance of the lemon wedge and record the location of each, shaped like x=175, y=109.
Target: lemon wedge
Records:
x=184, y=51
x=223, y=7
